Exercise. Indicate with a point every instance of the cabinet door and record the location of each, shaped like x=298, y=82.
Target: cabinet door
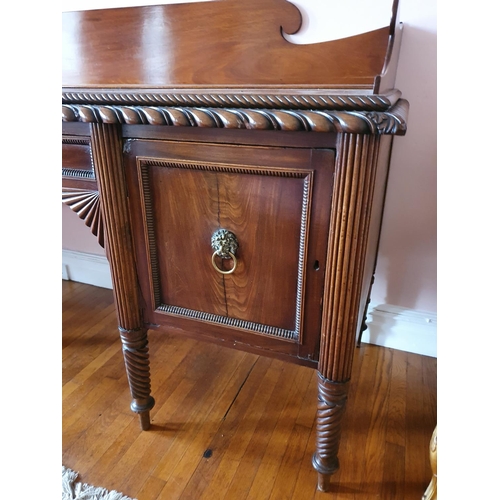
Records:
x=274, y=201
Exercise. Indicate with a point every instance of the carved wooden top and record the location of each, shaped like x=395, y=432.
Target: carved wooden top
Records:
x=226, y=43
x=226, y=64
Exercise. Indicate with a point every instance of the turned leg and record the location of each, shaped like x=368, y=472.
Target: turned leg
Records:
x=344, y=277
x=136, y=356
x=332, y=399
x=107, y=155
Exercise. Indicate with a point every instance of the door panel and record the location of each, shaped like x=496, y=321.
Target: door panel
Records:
x=181, y=194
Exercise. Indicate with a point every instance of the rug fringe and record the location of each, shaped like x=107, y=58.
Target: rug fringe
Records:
x=83, y=491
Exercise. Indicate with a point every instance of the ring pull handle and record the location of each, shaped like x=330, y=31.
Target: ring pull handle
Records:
x=224, y=243
x=235, y=263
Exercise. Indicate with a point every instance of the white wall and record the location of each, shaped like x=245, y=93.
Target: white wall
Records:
x=406, y=271
x=406, y=274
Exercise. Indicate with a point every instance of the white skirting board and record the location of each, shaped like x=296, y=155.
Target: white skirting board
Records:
x=388, y=325
x=401, y=328
x=86, y=268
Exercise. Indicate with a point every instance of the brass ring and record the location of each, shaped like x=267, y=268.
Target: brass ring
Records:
x=235, y=263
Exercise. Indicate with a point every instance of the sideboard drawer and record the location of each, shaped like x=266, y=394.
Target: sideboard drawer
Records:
x=275, y=202
x=76, y=157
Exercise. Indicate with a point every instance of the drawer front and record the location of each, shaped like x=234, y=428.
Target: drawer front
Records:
x=182, y=194
x=77, y=158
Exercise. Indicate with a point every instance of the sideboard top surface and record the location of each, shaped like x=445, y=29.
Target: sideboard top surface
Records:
x=221, y=44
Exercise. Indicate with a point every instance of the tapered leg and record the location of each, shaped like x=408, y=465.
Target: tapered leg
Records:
x=136, y=356
x=347, y=245
x=332, y=399
x=108, y=163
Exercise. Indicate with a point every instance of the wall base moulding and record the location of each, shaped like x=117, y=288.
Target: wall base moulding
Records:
x=86, y=268
x=402, y=328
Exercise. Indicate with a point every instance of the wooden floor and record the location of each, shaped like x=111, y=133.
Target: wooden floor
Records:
x=230, y=425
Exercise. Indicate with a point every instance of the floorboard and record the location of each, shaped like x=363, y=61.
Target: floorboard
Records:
x=229, y=425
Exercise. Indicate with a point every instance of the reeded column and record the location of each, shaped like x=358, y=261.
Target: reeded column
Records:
x=108, y=163
x=347, y=241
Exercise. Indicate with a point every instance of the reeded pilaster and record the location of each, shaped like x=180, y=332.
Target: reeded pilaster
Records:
x=355, y=172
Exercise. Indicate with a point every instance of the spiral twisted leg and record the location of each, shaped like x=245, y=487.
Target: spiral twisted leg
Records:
x=332, y=397
x=136, y=356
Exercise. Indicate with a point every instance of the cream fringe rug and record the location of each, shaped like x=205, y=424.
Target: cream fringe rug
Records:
x=72, y=490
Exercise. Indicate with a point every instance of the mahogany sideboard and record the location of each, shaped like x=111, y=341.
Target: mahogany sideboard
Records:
x=235, y=179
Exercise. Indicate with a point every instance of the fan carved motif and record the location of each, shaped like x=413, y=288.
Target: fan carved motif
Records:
x=87, y=205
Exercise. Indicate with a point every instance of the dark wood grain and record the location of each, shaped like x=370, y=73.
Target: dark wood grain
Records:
x=348, y=237
x=251, y=205
x=76, y=153
x=246, y=204
x=242, y=46
x=229, y=136
x=273, y=199
x=189, y=206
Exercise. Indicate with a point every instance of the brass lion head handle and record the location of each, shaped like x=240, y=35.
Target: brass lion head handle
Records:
x=224, y=244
